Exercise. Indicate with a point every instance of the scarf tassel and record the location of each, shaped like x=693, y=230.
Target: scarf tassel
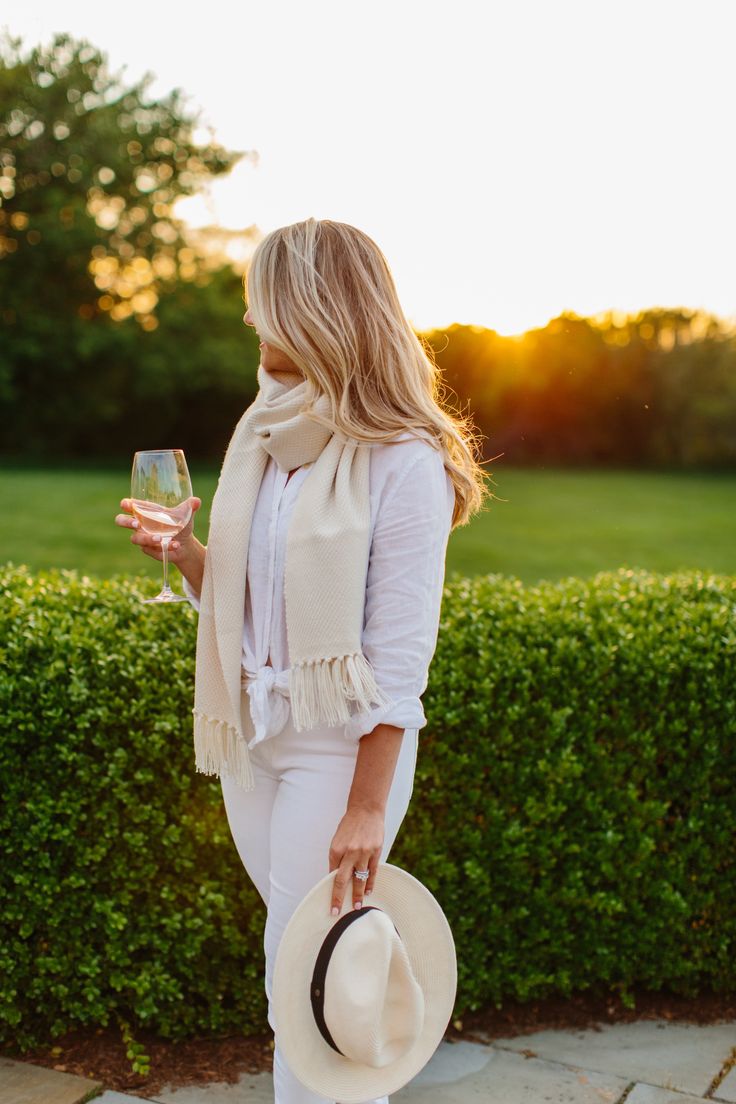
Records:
x=321, y=689
x=219, y=748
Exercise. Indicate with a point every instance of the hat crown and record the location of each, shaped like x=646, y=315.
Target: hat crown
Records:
x=300, y=973
x=373, y=1004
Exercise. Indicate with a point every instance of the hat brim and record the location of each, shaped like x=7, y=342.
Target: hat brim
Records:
x=429, y=943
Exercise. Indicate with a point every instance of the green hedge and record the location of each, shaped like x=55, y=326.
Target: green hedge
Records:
x=574, y=808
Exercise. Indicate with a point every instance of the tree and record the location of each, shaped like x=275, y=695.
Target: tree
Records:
x=89, y=171
x=658, y=387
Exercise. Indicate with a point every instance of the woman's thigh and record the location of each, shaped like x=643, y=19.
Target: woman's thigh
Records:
x=283, y=827
x=249, y=815
x=316, y=771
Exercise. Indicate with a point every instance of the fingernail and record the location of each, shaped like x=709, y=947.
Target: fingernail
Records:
x=335, y=910
x=156, y=537
x=358, y=904
x=368, y=891
x=135, y=525
x=175, y=544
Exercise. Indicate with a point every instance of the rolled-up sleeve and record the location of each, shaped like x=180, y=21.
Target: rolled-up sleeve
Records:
x=406, y=572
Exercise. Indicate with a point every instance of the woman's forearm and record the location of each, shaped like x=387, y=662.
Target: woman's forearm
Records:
x=378, y=752
x=190, y=562
x=359, y=838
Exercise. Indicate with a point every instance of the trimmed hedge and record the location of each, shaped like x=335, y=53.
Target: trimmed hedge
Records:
x=574, y=808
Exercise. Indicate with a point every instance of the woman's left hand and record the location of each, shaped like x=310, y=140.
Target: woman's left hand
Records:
x=356, y=845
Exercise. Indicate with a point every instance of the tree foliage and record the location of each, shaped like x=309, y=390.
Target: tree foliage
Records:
x=91, y=168
x=653, y=388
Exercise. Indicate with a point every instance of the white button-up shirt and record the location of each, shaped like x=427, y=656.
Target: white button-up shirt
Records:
x=412, y=498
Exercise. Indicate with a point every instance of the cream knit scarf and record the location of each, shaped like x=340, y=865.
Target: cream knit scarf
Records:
x=327, y=550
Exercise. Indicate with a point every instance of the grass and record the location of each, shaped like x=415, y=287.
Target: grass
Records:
x=549, y=523
x=555, y=523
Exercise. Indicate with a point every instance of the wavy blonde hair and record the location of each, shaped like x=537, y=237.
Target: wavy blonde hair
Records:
x=322, y=292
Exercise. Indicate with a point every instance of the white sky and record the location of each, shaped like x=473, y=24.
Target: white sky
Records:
x=512, y=159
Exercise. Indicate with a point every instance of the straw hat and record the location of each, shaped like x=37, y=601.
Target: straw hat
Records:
x=361, y=1002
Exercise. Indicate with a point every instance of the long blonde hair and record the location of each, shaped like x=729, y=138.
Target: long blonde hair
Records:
x=322, y=292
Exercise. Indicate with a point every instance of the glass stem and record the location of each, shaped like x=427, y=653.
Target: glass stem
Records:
x=165, y=552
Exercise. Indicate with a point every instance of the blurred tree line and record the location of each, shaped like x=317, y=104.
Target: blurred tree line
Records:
x=119, y=331
x=653, y=389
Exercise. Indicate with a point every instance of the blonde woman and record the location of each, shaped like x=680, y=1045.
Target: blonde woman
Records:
x=319, y=590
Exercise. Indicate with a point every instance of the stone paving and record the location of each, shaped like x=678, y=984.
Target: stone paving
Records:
x=679, y=1056
x=648, y=1062
x=22, y=1083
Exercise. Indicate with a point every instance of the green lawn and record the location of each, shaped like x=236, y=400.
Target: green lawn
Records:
x=551, y=523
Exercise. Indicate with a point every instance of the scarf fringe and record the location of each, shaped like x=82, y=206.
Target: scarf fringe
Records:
x=321, y=689
x=218, y=748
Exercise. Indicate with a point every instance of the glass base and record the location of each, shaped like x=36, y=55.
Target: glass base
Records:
x=165, y=596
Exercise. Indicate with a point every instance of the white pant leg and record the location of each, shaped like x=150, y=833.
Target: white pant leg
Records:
x=306, y=778
x=249, y=818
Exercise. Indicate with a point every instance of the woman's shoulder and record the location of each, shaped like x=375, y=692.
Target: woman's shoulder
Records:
x=404, y=450
x=408, y=457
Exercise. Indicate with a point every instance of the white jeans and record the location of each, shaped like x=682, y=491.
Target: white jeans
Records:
x=283, y=828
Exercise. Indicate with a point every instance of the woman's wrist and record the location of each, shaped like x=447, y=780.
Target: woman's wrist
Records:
x=190, y=562
x=370, y=805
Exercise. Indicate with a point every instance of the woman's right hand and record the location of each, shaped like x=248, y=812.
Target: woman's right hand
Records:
x=180, y=547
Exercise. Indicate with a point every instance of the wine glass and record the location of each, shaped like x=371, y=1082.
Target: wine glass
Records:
x=160, y=490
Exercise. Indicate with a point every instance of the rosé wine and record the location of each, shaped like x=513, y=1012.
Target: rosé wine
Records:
x=163, y=521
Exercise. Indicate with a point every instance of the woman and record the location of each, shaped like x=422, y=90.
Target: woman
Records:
x=334, y=627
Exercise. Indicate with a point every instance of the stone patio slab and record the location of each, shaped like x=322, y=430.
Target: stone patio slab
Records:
x=24, y=1083
x=509, y=1078
x=255, y=1088
x=727, y=1088
x=113, y=1097
x=652, y=1094
x=680, y=1056
x=451, y=1061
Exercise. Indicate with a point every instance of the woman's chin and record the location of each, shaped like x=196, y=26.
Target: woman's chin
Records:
x=274, y=362
x=281, y=372
x=277, y=367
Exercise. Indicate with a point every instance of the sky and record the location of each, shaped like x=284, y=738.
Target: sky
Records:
x=512, y=159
